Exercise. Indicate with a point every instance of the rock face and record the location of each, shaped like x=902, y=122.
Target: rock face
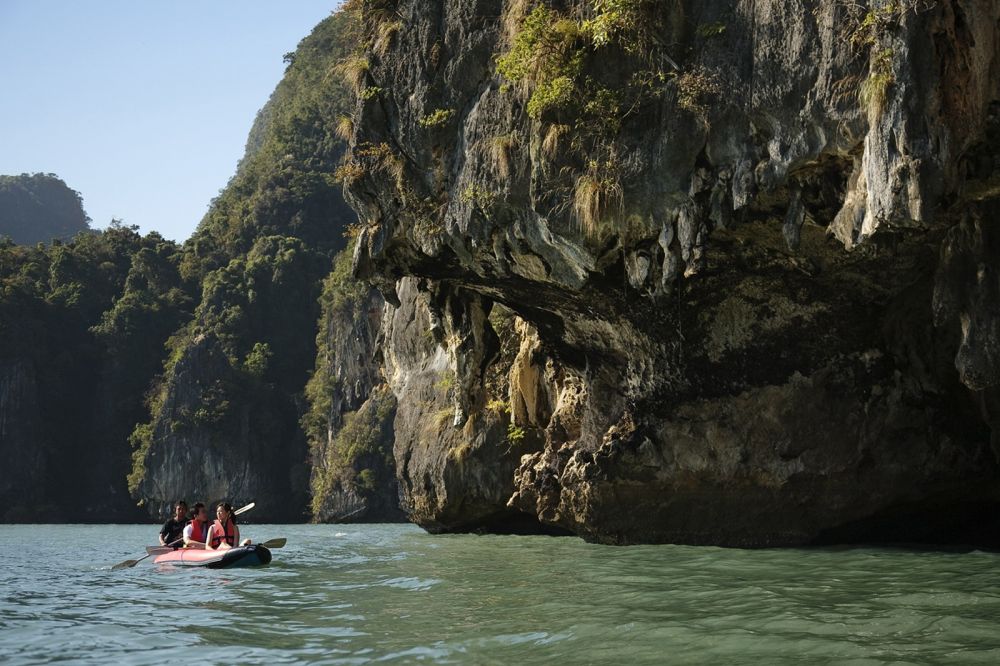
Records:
x=20, y=425
x=747, y=265
x=967, y=292
x=350, y=425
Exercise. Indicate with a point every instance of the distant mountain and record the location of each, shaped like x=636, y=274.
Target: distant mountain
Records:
x=38, y=208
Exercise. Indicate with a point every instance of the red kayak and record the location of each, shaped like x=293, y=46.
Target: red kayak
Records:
x=245, y=556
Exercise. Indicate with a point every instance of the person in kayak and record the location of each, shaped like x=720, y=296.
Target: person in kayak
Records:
x=224, y=533
x=173, y=530
x=196, y=532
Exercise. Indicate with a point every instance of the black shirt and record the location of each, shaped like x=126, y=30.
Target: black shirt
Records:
x=172, y=530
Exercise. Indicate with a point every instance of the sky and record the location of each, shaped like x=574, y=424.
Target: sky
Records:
x=142, y=106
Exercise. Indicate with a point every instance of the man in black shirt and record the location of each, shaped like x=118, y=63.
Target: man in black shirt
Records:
x=173, y=529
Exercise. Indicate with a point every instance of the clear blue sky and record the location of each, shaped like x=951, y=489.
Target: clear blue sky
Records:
x=141, y=106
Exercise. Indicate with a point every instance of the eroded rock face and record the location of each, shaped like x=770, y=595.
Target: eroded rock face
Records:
x=967, y=292
x=454, y=460
x=745, y=351
x=48, y=477
x=353, y=470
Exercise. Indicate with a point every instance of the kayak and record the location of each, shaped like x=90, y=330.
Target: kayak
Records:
x=253, y=555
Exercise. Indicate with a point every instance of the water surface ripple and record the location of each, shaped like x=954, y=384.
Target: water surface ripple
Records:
x=375, y=593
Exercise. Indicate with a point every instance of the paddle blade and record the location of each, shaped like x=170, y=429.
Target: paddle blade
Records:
x=158, y=550
x=275, y=543
x=127, y=564
x=244, y=509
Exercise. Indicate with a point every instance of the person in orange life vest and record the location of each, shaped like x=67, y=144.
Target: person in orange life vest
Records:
x=196, y=532
x=224, y=533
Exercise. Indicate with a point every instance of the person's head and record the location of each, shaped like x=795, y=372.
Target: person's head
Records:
x=224, y=512
x=199, y=512
x=180, y=509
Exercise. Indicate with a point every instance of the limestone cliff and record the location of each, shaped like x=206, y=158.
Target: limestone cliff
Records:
x=350, y=423
x=218, y=436
x=20, y=426
x=748, y=248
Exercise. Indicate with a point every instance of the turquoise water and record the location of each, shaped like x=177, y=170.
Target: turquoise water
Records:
x=375, y=593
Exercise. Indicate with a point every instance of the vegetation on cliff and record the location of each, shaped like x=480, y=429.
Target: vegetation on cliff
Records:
x=261, y=255
x=351, y=410
x=284, y=185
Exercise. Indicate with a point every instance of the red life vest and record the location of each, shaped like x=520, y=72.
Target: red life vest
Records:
x=199, y=531
x=219, y=533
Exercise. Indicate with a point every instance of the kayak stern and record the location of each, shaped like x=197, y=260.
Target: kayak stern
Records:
x=244, y=556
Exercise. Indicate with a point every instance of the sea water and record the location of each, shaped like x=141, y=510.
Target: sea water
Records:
x=393, y=593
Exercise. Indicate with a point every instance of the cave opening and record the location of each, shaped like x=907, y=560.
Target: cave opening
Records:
x=923, y=525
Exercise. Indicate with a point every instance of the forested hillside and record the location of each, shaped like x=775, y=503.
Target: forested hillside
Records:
x=37, y=208
x=135, y=371
x=82, y=329
x=225, y=417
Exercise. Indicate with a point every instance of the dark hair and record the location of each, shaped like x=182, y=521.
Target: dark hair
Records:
x=180, y=503
x=229, y=509
x=198, y=506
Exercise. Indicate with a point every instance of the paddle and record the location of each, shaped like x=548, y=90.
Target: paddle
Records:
x=270, y=545
x=158, y=550
x=274, y=543
x=153, y=550
x=244, y=509
x=128, y=564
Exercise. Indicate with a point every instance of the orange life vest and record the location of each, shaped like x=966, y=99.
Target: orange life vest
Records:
x=199, y=531
x=220, y=534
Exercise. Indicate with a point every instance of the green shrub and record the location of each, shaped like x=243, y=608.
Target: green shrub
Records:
x=551, y=94
x=621, y=21
x=439, y=118
x=257, y=359
x=361, y=439
x=515, y=434
x=366, y=480
x=483, y=199
x=545, y=59
x=140, y=440
x=710, y=30
x=497, y=406
x=444, y=384
x=866, y=27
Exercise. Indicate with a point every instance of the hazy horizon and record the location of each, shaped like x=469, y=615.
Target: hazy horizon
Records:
x=144, y=109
